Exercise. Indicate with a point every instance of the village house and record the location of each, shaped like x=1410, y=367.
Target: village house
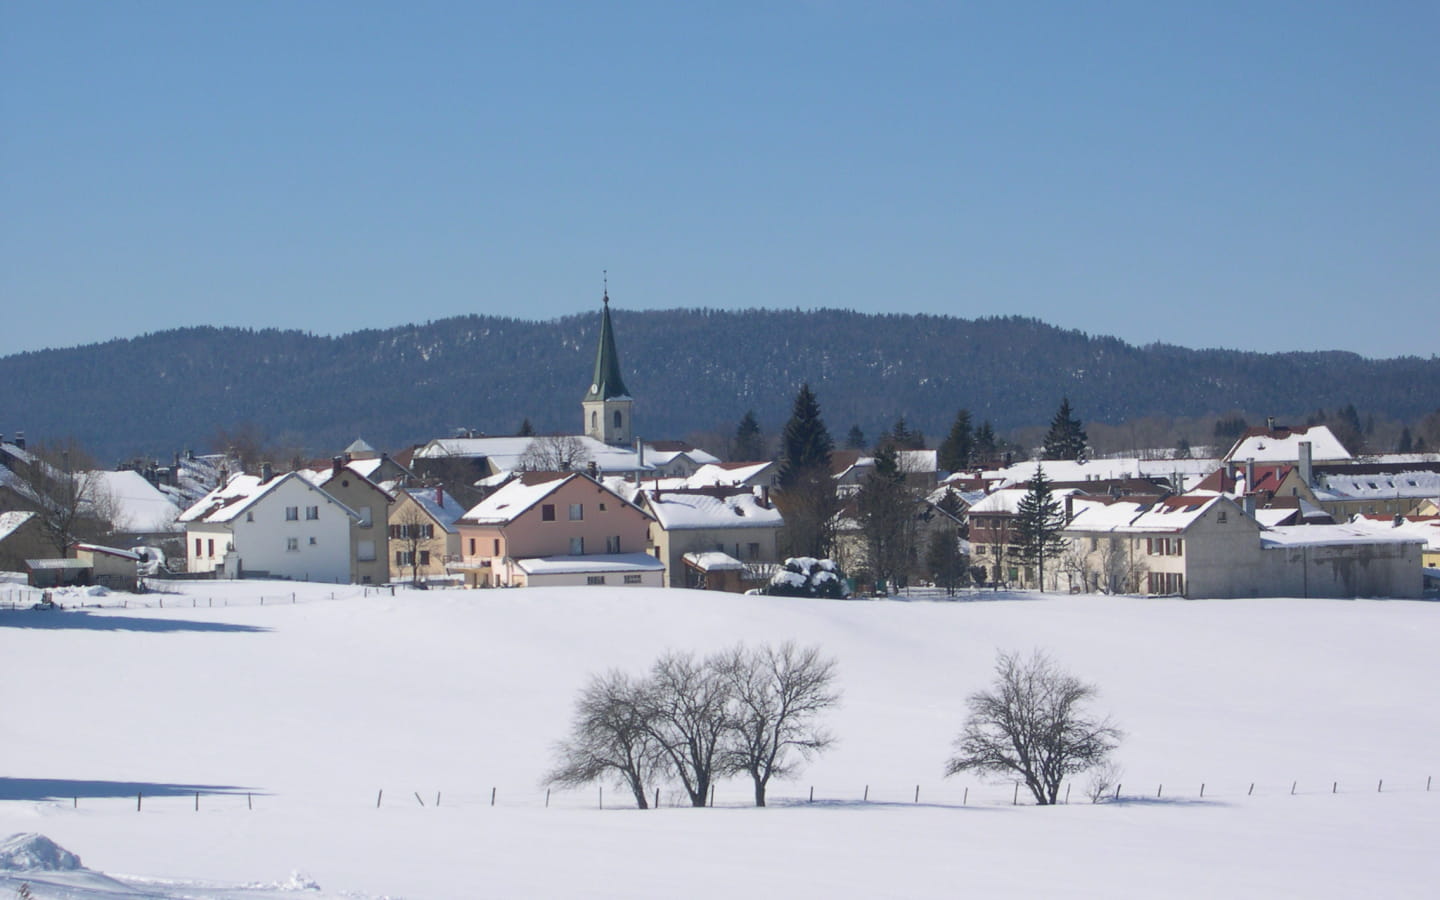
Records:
x=369, y=538
x=549, y=528
x=270, y=526
x=20, y=539
x=424, y=533
x=700, y=533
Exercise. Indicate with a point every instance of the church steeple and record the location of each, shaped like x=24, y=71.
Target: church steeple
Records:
x=607, y=384
x=607, y=405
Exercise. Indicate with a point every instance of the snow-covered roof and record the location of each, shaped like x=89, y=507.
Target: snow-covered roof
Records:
x=136, y=503
x=512, y=500
x=697, y=510
x=714, y=561
x=1167, y=516
x=659, y=454
x=1346, y=486
x=241, y=492
x=13, y=520
x=504, y=453
x=359, y=446
x=108, y=551
x=440, y=504
x=722, y=474
x=1068, y=470
x=1006, y=500
x=1346, y=533
x=1283, y=445
x=597, y=564
x=1427, y=528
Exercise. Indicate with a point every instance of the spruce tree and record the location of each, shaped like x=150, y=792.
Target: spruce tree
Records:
x=749, y=443
x=1066, y=439
x=807, y=443
x=526, y=429
x=986, y=446
x=959, y=445
x=1038, y=523
x=886, y=518
x=949, y=568
x=855, y=440
x=806, y=495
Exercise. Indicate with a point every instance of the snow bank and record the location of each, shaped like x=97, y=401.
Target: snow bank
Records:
x=29, y=852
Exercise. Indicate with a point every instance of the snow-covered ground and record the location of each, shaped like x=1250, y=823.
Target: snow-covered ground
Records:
x=290, y=718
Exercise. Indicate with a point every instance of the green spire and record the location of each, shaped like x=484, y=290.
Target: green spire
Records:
x=607, y=383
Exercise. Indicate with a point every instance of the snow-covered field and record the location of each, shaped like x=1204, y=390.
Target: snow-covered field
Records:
x=289, y=719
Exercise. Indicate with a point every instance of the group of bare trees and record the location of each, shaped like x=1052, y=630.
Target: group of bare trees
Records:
x=750, y=711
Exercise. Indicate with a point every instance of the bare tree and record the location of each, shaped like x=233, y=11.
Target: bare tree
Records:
x=610, y=737
x=71, y=499
x=412, y=531
x=1031, y=724
x=1120, y=569
x=689, y=718
x=777, y=693
x=555, y=453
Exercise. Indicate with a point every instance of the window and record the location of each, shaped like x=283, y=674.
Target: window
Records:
x=633, y=579
x=594, y=579
x=752, y=550
x=365, y=517
x=594, y=421
x=210, y=545
x=312, y=513
x=612, y=544
x=618, y=420
x=292, y=545
x=602, y=507
x=197, y=548
x=497, y=547
x=292, y=513
x=577, y=512
x=577, y=546
x=365, y=551
x=547, y=512
x=403, y=557
x=424, y=557
x=312, y=542
x=249, y=515
x=1220, y=517
x=472, y=546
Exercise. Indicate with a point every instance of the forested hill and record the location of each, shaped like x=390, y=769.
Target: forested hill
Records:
x=688, y=369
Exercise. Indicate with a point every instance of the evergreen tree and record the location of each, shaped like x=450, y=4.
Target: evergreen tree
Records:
x=1182, y=448
x=1066, y=439
x=807, y=442
x=948, y=567
x=1038, y=523
x=886, y=518
x=986, y=446
x=749, y=443
x=1407, y=442
x=951, y=503
x=526, y=429
x=959, y=444
x=806, y=495
x=855, y=440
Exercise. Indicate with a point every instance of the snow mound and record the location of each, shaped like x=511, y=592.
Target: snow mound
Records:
x=26, y=852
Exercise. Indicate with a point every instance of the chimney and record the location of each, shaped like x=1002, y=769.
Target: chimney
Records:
x=336, y=464
x=20, y=439
x=1399, y=520
x=224, y=475
x=1307, y=473
x=267, y=472
x=765, y=496
x=1269, y=423
x=1250, y=505
x=639, y=452
x=1250, y=475
x=1069, y=508
x=592, y=468
x=440, y=495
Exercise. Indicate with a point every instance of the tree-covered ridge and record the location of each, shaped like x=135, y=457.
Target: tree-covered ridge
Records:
x=688, y=370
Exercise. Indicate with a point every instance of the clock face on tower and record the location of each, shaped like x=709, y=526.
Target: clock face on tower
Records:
x=594, y=388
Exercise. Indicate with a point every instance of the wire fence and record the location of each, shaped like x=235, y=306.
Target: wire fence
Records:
x=734, y=795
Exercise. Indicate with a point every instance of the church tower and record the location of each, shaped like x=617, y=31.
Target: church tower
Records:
x=608, y=405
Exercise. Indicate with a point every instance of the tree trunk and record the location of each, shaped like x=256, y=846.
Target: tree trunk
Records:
x=759, y=792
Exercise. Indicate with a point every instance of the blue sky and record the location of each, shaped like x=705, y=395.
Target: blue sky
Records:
x=1255, y=175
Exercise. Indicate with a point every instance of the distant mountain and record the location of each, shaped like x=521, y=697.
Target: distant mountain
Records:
x=689, y=370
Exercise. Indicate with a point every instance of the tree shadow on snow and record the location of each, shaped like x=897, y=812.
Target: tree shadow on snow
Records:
x=65, y=789
x=801, y=803
x=83, y=620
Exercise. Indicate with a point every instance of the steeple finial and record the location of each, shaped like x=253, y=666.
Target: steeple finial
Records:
x=605, y=276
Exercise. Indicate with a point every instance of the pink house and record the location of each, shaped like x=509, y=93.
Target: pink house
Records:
x=556, y=528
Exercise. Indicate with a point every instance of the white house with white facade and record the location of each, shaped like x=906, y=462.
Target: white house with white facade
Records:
x=277, y=526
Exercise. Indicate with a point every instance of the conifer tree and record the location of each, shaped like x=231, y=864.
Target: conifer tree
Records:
x=1038, y=523
x=806, y=495
x=749, y=443
x=1066, y=439
x=887, y=522
x=526, y=429
x=855, y=440
x=959, y=444
x=986, y=446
